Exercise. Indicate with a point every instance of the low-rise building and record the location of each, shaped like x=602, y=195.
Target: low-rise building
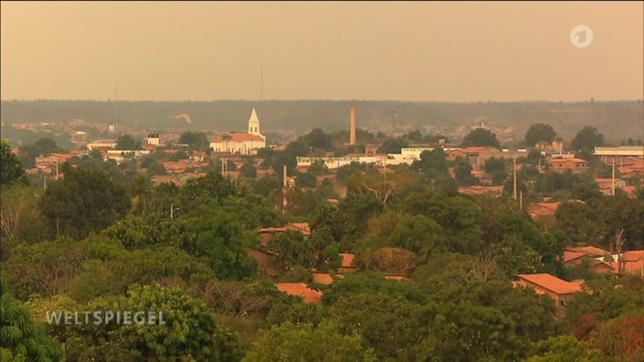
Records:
x=347, y=263
x=561, y=164
x=183, y=166
x=177, y=179
x=268, y=233
x=120, y=155
x=301, y=290
x=101, y=145
x=544, y=212
x=559, y=290
x=152, y=139
x=617, y=154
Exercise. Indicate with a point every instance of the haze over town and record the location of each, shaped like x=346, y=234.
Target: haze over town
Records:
x=308, y=182
x=370, y=51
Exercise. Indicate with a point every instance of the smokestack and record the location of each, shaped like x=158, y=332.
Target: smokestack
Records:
x=352, y=127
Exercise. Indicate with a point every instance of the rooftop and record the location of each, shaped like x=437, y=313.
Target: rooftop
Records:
x=300, y=290
x=347, y=260
x=237, y=137
x=552, y=283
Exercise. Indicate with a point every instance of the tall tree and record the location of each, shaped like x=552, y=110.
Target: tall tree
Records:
x=195, y=140
x=480, y=137
x=463, y=172
x=539, y=132
x=496, y=169
x=587, y=139
x=85, y=200
x=126, y=142
x=42, y=147
x=10, y=168
x=392, y=145
x=190, y=332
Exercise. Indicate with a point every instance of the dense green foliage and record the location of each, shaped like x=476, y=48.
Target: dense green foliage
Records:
x=20, y=338
x=432, y=279
x=480, y=137
x=10, y=168
x=587, y=139
x=85, y=200
x=539, y=132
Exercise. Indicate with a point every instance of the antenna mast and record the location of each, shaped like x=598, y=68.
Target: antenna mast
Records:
x=261, y=83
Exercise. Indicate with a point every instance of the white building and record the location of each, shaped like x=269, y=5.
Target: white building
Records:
x=101, y=145
x=120, y=155
x=237, y=142
x=621, y=151
x=152, y=139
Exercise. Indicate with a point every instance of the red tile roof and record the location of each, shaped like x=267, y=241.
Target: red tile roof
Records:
x=347, y=260
x=633, y=255
x=238, y=137
x=322, y=278
x=300, y=290
x=563, y=160
x=630, y=267
x=569, y=256
x=552, y=283
x=588, y=250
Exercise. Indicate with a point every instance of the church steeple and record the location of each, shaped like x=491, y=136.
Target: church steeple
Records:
x=253, y=123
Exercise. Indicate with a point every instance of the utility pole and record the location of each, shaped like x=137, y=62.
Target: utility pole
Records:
x=261, y=83
x=44, y=182
x=284, y=185
x=224, y=167
x=514, y=177
x=171, y=211
x=612, y=181
x=520, y=200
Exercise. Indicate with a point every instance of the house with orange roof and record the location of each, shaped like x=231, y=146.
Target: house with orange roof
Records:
x=574, y=255
x=631, y=166
x=557, y=289
x=268, y=233
x=301, y=290
x=628, y=263
x=177, y=179
x=48, y=164
x=544, y=212
x=182, y=166
x=322, y=278
x=348, y=262
x=561, y=164
x=264, y=172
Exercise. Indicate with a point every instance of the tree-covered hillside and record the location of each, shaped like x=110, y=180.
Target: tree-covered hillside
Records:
x=618, y=119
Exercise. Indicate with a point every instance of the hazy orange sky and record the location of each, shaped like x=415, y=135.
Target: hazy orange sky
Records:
x=399, y=51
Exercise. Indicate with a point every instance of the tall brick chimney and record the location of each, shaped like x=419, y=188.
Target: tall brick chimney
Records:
x=352, y=127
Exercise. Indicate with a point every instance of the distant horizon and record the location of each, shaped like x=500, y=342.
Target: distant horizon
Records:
x=315, y=100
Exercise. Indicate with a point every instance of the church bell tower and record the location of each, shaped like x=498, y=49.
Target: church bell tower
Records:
x=253, y=123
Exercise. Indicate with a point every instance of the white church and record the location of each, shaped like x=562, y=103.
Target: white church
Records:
x=242, y=143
